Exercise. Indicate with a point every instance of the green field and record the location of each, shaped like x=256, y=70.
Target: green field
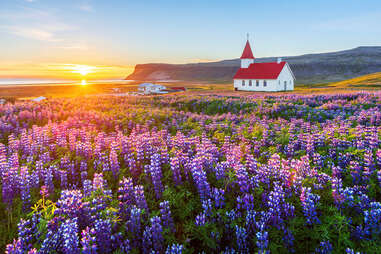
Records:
x=366, y=82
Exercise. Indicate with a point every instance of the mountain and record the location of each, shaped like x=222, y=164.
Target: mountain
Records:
x=309, y=68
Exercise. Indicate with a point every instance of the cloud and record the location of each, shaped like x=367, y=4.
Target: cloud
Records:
x=30, y=1
x=32, y=33
x=36, y=24
x=86, y=7
x=73, y=46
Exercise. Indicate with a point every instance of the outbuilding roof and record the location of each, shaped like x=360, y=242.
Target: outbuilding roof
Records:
x=38, y=99
x=260, y=71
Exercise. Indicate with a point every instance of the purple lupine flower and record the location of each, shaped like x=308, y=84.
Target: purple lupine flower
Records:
x=140, y=198
x=372, y=219
x=166, y=217
x=71, y=204
x=309, y=202
x=207, y=207
x=242, y=178
x=218, y=198
x=220, y=169
x=126, y=195
x=245, y=202
x=279, y=209
x=88, y=241
x=378, y=157
x=174, y=249
x=10, y=182
x=15, y=247
x=103, y=235
x=113, y=159
x=131, y=162
x=200, y=219
x=250, y=222
x=251, y=164
x=288, y=240
x=199, y=177
x=324, y=248
x=48, y=179
x=134, y=225
x=242, y=237
x=44, y=192
x=53, y=238
x=262, y=241
x=125, y=247
x=83, y=170
x=356, y=172
x=87, y=187
x=154, y=169
x=69, y=231
x=36, y=174
x=99, y=182
x=175, y=167
x=232, y=215
x=351, y=251
x=25, y=187
x=63, y=178
x=153, y=236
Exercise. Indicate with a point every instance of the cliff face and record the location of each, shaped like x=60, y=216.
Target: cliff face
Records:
x=311, y=68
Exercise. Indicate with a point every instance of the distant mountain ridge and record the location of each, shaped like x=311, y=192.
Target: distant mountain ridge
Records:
x=309, y=68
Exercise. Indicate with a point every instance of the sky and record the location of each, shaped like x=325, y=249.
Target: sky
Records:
x=104, y=39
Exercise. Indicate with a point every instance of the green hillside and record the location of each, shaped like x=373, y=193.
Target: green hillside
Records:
x=369, y=81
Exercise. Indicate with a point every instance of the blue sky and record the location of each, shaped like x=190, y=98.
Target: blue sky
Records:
x=124, y=32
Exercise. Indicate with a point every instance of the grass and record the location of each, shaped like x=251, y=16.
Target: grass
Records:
x=71, y=90
x=366, y=82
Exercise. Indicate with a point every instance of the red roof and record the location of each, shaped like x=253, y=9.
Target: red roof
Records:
x=178, y=88
x=260, y=71
x=247, y=54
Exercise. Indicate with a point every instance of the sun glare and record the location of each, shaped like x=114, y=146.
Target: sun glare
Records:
x=83, y=83
x=83, y=69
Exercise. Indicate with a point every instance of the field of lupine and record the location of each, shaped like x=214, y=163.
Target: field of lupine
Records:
x=176, y=174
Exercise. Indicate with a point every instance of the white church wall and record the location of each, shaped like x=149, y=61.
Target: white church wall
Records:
x=285, y=76
x=237, y=83
x=271, y=85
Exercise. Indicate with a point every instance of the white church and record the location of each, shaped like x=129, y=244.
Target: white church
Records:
x=268, y=77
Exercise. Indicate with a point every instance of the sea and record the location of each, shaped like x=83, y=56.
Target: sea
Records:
x=49, y=82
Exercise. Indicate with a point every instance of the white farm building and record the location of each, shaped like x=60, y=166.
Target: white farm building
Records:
x=148, y=88
x=268, y=77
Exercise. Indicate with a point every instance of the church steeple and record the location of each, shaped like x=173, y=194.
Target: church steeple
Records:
x=247, y=53
x=247, y=57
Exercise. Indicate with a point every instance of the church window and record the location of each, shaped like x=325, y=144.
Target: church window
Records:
x=257, y=83
x=264, y=83
x=249, y=82
x=243, y=82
